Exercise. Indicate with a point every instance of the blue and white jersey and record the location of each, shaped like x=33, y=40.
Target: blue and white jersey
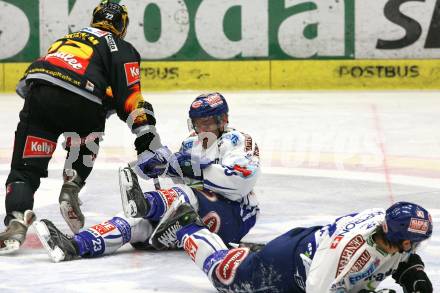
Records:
x=235, y=170
x=345, y=257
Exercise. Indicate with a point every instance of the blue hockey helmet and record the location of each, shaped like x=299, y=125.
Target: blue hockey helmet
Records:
x=407, y=221
x=111, y=17
x=205, y=105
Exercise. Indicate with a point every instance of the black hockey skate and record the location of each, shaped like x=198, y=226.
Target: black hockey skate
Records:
x=59, y=246
x=133, y=201
x=178, y=216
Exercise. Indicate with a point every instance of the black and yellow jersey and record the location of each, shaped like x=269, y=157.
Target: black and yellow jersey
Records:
x=95, y=64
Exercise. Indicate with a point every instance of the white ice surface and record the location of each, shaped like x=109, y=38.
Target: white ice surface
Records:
x=324, y=155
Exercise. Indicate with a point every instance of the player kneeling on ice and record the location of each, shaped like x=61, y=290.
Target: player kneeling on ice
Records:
x=353, y=254
x=219, y=166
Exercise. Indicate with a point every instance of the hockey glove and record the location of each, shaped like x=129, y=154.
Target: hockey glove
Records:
x=182, y=164
x=412, y=277
x=154, y=164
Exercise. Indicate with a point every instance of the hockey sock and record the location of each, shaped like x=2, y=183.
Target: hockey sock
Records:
x=103, y=238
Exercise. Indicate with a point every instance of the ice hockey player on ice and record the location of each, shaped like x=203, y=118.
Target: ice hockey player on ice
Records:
x=85, y=75
x=353, y=254
x=219, y=166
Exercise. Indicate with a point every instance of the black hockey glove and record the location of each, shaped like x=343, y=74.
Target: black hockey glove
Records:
x=149, y=138
x=412, y=277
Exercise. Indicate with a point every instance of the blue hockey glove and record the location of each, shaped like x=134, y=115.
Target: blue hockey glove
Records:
x=182, y=164
x=154, y=164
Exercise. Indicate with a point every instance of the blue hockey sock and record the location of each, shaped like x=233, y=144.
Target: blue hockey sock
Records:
x=81, y=243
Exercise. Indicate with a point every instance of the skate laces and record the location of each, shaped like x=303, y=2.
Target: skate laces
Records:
x=169, y=237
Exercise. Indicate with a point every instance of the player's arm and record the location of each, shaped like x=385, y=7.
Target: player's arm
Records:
x=130, y=106
x=236, y=175
x=411, y=275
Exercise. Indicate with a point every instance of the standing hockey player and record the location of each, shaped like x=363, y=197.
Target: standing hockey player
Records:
x=219, y=166
x=84, y=75
x=353, y=254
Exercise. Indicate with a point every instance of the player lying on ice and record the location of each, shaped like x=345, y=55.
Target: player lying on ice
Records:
x=219, y=166
x=353, y=254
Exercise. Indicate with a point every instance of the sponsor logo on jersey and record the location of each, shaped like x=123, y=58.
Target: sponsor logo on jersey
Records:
x=191, y=247
x=37, y=147
x=350, y=226
x=168, y=196
x=111, y=43
x=256, y=151
x=95, y=31
x=132, y=72
x=418, y=226
x=364, y=274
x=103, y=228
x=225, y=272
x=232, y=137
x=336, y=241
x=349, y=250
x=212, y=221
x=68, y=61
x=361, y=262
x=247, y=142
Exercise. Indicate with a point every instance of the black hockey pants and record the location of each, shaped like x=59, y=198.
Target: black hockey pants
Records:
x=48, y=112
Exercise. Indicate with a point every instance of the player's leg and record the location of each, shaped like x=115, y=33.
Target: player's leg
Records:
x=34, y=145
x=150, y=205
x=101, y=239
x=205, y=248
x=229, y=219
x=82, y=137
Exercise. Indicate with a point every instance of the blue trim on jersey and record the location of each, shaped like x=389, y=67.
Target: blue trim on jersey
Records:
x=207, y=182
x=204, y=239
x=113, y=236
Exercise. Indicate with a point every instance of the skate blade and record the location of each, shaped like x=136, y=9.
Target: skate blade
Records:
x=11, y=246
x=67, y=212
x=56, y=254
x=126, y=182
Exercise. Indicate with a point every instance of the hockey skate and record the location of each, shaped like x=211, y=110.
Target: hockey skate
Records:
x=179, y=215
x=70, y=202
x=133, y=201
x=15, y=234
x=59, y=246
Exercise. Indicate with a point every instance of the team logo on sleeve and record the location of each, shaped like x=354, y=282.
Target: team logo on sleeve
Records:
x=132, y=72
x=37, y=147
x=225, y=272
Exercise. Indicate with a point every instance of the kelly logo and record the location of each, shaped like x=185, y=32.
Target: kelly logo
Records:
x=36, y=147
x=132, y=72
